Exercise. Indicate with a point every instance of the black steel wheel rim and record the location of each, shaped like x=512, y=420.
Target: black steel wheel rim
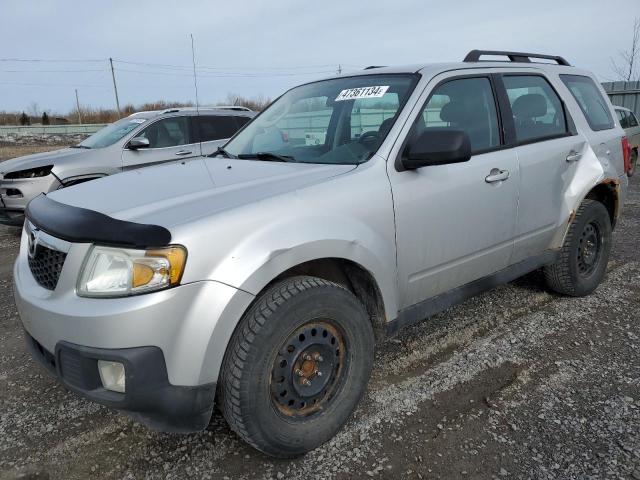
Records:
x=308, y=369
x=589, y=249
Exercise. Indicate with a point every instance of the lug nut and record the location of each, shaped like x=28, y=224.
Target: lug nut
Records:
x=299, y=372
x=319, y=373
x=318, y=357
x=307, y=357
x=306, y=382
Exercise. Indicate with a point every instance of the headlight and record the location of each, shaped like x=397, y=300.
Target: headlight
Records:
x=119, y=272
x=31, y=173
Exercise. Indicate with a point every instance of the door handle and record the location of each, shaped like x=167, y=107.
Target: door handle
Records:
x=183, y=152
x=573, y=156
x=496, y=175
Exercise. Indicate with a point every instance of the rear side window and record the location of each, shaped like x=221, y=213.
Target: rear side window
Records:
x=242, y=121
x=216, y=127
x=591, y=102
x=624, y=118
x=536, y=108
x=633, y=121
x=464, y=104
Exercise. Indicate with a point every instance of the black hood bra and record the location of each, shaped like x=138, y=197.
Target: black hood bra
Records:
x=80, y=225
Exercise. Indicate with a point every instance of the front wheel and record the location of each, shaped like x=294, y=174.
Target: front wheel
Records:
x=296, y=366
x=582, y=262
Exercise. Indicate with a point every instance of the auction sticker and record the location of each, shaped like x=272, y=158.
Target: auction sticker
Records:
x=362, y=92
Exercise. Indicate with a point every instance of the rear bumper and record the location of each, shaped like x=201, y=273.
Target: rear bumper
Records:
x=148, y=398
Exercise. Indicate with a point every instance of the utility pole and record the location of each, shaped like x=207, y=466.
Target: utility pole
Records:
x=78, y=106
x=115, y=87
x=339, y=69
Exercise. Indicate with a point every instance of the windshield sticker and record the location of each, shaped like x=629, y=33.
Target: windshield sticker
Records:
x=362, y=92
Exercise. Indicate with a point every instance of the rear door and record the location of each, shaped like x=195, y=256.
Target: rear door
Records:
x=605, y=138
x=170, y=138
x=215, y=130
x=546, y=145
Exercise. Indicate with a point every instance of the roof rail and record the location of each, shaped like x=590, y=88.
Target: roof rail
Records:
x=171, y=110
x=237, y=108
x=374, y=66
x=474, y=56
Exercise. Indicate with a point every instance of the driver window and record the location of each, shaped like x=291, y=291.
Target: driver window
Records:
x=169, y=132
x=465, y=104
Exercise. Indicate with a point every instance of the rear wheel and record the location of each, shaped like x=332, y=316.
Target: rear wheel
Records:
x=633, y=158
x=582, y=262
x=296, y=366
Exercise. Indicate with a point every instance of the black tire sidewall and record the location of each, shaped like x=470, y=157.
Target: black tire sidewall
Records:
x=592, y=212
x=633, y=158
x=284, y=437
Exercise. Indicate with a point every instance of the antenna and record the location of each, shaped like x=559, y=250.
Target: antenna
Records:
x=195, y=78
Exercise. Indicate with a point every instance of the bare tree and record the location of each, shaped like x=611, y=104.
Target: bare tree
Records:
x=625, y=67
x=33, y=109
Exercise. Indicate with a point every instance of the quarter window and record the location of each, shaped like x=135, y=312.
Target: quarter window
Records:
x=537, y=111
x=465, y=104
x=633, y=121
x=591, y=102
x=169, y=132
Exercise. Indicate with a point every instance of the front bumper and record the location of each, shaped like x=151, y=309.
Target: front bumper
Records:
x=148, y=398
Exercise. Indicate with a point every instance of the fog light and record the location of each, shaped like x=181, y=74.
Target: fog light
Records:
x=111, y=375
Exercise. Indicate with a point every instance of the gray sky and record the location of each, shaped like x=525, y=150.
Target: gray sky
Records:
x=254, y=48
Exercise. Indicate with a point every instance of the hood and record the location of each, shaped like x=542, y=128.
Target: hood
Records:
x=180, y=192
x=57, y=157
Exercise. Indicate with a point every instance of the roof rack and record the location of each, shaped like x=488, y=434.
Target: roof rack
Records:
x=474, y=56
x=237, y=108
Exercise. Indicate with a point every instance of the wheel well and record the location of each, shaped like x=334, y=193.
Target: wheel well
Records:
x=350, y=275
x=607, y=194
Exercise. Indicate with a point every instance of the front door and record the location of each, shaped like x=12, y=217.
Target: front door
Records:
x=169, y=139
x=455, y=223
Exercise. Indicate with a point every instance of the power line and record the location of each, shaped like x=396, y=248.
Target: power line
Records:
x=72, y=85
x=27, y=60
x=52, y=71
x=225, y=74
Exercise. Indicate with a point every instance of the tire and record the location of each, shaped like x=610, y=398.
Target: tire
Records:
x=582, y=262
x=633, y=158
x=298, y=327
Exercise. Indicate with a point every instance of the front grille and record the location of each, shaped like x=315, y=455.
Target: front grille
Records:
x=46, y=265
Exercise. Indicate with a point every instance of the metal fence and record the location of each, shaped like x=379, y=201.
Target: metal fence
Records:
x=624, y=94
x=39, y=130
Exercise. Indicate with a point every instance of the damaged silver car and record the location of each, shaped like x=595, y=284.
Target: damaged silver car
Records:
x=260, y=278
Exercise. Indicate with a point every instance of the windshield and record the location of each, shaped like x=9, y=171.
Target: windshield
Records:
x=111, y=133
x=337, y=121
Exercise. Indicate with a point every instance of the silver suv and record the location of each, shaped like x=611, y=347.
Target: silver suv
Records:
x=350, y=207
x=141, y=139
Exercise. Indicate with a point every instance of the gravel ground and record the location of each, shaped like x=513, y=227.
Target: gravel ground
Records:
x=515, y=383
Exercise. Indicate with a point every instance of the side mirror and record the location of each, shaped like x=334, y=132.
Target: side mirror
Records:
x=437, y=147
x=138, y=142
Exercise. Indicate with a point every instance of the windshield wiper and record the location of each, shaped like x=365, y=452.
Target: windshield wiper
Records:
x=80, y=146
x=221, y=151
x=268, y=156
